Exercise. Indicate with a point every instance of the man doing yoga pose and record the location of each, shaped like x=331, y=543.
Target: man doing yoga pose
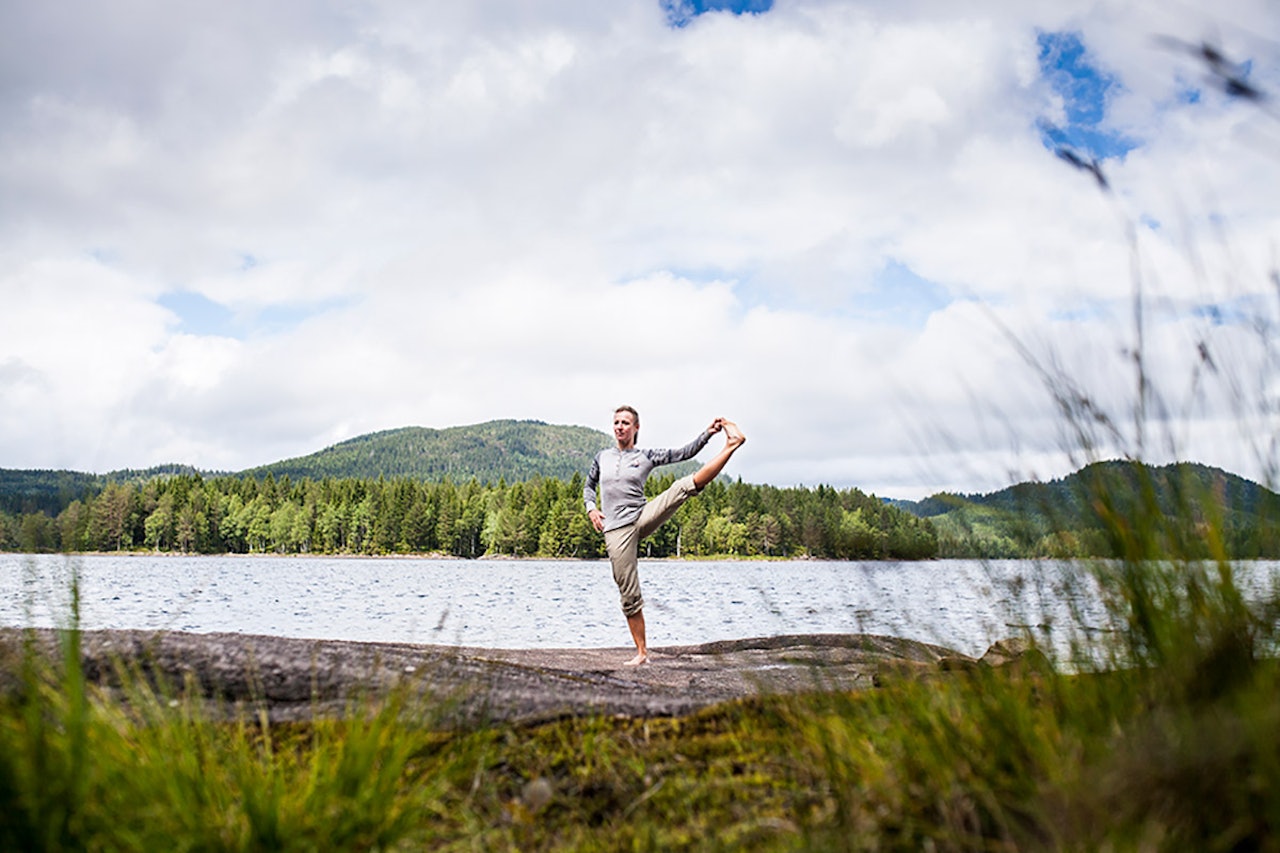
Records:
x=625, y=517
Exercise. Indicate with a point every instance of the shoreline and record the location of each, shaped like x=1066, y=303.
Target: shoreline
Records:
x=436, y=556
x=293, y=679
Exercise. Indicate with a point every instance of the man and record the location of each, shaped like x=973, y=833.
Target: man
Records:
x=626, y=518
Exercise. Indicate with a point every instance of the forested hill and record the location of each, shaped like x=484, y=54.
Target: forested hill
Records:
x=1090, y=511
x=1171, y=486
x=509, y=450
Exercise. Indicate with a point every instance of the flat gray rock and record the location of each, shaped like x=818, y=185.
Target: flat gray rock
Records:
x=293, y=679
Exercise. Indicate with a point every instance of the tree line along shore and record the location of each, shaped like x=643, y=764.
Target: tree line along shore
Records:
x=542, y=517
x=183, y=511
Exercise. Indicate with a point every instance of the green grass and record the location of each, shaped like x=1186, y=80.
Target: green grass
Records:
x=1178, y=748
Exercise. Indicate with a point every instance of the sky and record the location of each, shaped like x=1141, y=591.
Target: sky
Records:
x=909, y=247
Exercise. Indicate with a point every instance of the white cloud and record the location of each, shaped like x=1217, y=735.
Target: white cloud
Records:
x=475, y=211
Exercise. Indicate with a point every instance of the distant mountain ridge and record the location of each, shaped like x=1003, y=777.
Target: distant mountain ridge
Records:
x=1062, y=497
x=504, y=449
x=510, y=450
x=1095, y=511
x=514, y=450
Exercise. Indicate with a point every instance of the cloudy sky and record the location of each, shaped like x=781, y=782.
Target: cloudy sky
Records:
x=236, y=232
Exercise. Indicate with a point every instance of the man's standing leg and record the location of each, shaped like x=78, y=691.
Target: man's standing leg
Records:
x=623, y=546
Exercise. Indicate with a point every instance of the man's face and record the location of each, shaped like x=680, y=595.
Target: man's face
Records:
x=624, y=428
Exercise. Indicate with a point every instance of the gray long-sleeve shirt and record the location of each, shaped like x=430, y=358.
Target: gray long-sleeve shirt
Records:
x=621, y=475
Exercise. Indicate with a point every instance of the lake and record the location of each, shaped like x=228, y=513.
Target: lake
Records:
x=962, y=604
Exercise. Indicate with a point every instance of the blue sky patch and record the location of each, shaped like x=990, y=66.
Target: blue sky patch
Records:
x=199, y=315
x=1238, y=311
x=681, y=12
x=1084, y=88
x=902, y=297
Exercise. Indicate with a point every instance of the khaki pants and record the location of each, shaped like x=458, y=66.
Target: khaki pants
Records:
x=623, y=544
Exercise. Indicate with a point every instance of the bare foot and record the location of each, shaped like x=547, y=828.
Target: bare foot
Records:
x=733, y=435
x=638, y=660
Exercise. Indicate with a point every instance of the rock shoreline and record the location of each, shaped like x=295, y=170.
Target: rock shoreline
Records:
x=296, y=679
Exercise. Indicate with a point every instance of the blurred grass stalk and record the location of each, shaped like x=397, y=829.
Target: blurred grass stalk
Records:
x=1162, y=732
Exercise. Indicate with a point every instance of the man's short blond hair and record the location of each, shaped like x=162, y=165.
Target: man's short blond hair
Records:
x=635, y=416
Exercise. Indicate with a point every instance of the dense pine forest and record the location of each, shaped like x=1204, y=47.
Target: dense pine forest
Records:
x=541, y=517
x=177, y=509
x=513, y=487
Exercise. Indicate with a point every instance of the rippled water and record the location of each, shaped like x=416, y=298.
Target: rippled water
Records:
x=964, y=605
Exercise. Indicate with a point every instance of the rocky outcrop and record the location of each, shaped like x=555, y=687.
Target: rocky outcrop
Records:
x=292, y=679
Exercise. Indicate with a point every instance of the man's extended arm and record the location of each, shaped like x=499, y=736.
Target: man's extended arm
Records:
x=680, y=454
